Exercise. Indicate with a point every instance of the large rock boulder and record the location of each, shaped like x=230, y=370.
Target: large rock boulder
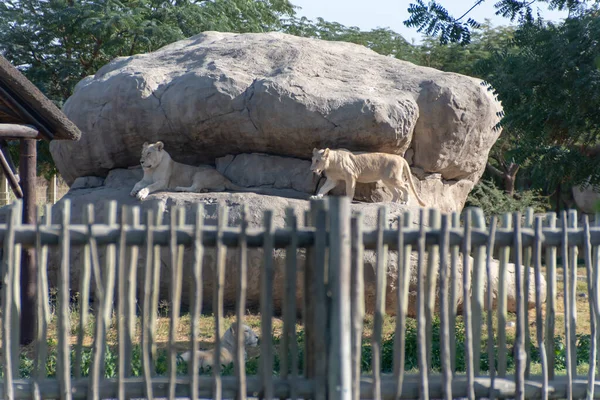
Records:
x=217, y=94
x=587, y=199
x=119, y=182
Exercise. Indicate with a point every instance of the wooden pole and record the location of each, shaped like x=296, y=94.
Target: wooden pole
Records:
x=4, y=194
x=315, y=308
x=7, y=167
x=52, y=190
x=19, y=131
x=339, y=364
x=27, y=168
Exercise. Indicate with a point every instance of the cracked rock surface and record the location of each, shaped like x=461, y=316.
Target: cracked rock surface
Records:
x=217, y=94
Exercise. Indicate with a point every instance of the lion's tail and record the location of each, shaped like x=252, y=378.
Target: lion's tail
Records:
x=412, y=185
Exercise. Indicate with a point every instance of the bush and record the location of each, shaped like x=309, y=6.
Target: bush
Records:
x=493, y=200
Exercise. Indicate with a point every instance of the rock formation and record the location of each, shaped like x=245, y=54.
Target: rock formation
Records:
x=255, y=105
x=219, y=94
x=587, y=199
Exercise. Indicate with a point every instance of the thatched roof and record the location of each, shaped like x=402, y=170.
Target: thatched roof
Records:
x=23, y=103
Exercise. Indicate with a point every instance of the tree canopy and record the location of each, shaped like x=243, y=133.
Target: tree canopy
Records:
x=549, y=84
x=433, y=19
x=58, y=42
x=547, y=77
x=545, y=74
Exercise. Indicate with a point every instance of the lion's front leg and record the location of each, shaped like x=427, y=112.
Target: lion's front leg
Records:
x=138, y=186
x=327, y=186
x=156, y=186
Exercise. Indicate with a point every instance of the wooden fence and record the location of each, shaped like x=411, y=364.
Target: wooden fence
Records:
x=48, y=193
x=330, y=361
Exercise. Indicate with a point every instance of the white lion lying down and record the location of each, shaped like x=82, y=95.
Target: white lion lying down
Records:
x=206, y=358
x=162, y=173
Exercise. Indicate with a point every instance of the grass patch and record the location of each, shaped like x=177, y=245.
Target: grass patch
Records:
x=207, y=328
x=27, y=354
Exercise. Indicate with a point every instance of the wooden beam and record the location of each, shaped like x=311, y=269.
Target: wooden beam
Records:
x=18, y=131
x=4, y=148
x=12, y=102
x=8, y=172
x=27, y=167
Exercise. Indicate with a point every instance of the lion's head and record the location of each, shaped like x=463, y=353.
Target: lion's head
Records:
x=250, y=337
x=320, y=160
x=152, y=155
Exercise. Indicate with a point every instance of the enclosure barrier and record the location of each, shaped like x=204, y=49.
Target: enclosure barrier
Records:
x=334, y=304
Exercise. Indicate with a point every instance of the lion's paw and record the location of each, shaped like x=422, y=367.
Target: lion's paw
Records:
x=142, y=194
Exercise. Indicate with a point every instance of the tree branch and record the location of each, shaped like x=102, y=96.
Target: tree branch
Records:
x=513, y=169
x=478, y=2
x=494, y=171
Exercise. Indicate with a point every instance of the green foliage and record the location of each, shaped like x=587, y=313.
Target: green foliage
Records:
x=493, y=201
x=547, y=77
x=382, y=40
x=56, y=43
x=549, y=85
x=26, y=364
x=434, y=19
x=462, y=58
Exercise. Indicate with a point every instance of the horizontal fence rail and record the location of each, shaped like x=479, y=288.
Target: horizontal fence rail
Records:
x=106, y=234
x=437, y=306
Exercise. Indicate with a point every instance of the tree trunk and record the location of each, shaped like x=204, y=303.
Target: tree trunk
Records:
x=509, y=184
x=508, y=174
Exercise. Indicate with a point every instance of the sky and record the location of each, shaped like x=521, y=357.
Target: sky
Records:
x=371, y=14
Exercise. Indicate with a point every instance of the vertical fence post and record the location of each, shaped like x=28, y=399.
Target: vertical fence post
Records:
x=340, y=364
x=501, y=309
x=4, y=193
x=572, y=293
x=381, y=251
x=8, y=295
x=358, y=301
x=421, y=322
x=477, y=289
x=430, y=283
x=550, y=262
x=52, y=190
x=520, y=353
x=315, y=311
x=27, y=169
x=404, y=253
